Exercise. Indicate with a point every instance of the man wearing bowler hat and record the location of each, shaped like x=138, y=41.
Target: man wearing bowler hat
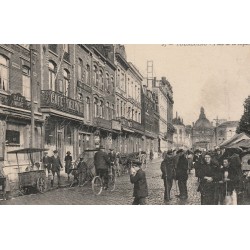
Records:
x=55, y=167
x=102, y=163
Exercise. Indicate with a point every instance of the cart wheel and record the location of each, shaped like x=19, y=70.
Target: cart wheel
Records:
x=112, y=181
x=41, y=185
x=97, y=185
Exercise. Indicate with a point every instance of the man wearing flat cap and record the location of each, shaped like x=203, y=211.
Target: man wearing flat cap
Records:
x=168, y=172
x=138, y=178
x=55, y=167
x=102, y=163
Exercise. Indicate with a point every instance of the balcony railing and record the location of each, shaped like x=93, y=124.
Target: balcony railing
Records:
x=52, y=99
x=102, y=123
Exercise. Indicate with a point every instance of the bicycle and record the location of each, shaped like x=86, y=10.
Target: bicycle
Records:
x=76, y=181
x=98, y=182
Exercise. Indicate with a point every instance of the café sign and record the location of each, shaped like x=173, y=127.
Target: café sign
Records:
x=16, y=100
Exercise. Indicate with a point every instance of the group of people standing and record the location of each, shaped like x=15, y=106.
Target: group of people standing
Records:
x=218, y=174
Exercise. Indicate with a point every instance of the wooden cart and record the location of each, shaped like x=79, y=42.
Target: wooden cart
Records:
x=31, y=179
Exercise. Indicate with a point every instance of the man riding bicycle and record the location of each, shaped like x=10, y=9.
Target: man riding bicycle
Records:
x=102, y=163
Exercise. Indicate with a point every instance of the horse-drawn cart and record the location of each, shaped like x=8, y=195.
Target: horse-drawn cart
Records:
x=33, y=177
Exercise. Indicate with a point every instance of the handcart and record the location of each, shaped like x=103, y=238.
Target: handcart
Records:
x=33, y=177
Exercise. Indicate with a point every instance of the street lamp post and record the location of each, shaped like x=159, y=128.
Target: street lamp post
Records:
x=32, y=83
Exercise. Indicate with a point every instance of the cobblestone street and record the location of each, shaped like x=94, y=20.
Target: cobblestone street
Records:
x=121, y=196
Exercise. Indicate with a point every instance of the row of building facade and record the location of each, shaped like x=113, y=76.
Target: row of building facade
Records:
x=83, y=96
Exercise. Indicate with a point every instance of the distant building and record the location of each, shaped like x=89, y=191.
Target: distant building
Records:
x=182, y=134
x=203, y=133
x=225, y=131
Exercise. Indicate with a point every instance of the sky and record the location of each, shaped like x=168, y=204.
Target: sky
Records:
x=216, y=77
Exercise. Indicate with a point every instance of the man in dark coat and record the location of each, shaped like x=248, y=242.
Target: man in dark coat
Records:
x=168, y=170
x=55, y=167
x=209, y=175
x=102, y=163
x=182, y=174
x=197, y=162
x=138, y=178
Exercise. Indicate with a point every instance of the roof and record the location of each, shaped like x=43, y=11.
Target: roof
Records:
x=236, y=138
x=229, y=124
x=27, y=150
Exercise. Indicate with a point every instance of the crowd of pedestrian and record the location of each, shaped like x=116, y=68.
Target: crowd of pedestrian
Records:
x=218, y=174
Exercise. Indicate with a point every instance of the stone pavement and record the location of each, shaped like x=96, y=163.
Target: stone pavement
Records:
x=121, y=196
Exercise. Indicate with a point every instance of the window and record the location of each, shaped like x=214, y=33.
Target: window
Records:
x=66, y=52
x=139, y=117
x=26, y=82
x=80, y=98
x=108, y=83
x=53, y=47
x=135, y=116
x=95, y=76
x=101, y=109
x=95, y=107
x=135, y=97
x=107, y=110
x=66, y=77
x=87, y=75
x=128, y=87
x=80, y=69
x=112, y=84
x=4, y=73
x=129, y=112
x=132, y=90
x=66, y=48
x=123, y=82
x=117, y=108
x=121, y=108
x=118, y=78
x=101, y=80
x=12, y=137
x=113, y=112
x=52, y=75
x=87, y=108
